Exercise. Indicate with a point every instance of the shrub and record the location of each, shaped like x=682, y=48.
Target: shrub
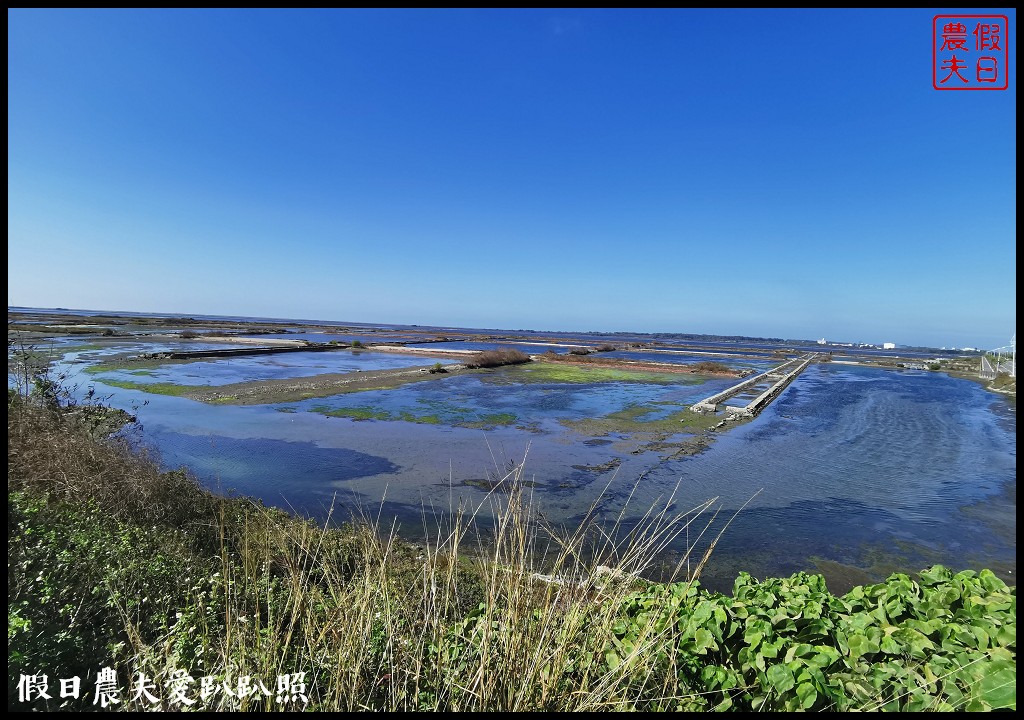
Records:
x=580, y=351
x=357, y=344
x=496, y=358
x=709, y=366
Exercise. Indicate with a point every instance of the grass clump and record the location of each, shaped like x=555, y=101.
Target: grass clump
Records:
x=497, y=358
x=635, y=419
x=354, y=413
x=443, y=415
x=155, y=388
x=571, y=372
x=710, y=366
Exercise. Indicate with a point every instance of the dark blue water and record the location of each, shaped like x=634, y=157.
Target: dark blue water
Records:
x=853, y=462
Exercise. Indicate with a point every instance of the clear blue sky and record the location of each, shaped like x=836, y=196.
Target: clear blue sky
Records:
x=772, y=173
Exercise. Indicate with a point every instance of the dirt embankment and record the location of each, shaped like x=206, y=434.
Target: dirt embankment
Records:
x=615, y=364
x=428, y=352
x=261, y=392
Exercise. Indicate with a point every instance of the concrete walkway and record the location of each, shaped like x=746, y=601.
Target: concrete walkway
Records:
x=779, y=377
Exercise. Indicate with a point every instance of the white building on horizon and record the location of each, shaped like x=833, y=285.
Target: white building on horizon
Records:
x=822, y=342
x=888, y=346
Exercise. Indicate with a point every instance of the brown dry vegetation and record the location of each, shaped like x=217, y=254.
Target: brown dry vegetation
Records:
x=703, y=368
x=710, y=366
x=497, y=358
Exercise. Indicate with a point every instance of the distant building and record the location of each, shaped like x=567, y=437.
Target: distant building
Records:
x=822, y=341
x=888, y=346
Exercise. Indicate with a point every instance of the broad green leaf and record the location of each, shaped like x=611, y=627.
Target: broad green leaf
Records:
x=703, y=641
x=781, y=678
x=916, y=644
x=981, y=636
x=891, y=646
x=935, y=575
x=807, y=694
x=753, y=638
x=999, y=688
x=862, y=645
x=1007, y=635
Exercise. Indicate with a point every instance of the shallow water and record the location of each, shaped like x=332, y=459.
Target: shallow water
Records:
x=224, y=371
x=863, y=467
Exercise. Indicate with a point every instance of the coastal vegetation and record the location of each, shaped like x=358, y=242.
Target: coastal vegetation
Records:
x=645, y=419
x=586, y=356
x=710, y=366
x=459, y=417
x=571, y=372
x=115, y=563
x=156, y=388
x=497, y=358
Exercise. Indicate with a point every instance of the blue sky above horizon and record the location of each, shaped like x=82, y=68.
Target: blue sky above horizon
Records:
x=776, y=173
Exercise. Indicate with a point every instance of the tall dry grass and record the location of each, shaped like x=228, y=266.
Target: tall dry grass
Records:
x=513, y=617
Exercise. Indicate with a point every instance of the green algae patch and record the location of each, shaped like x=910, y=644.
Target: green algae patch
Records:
x=101, y=368
x=554, y=372
x=354, y=413
x=462, y=418
x=633, y=413
x=631, y=420
x=126, y=362
x=156, y=388
x=489, y=421
x=420, y=419
x=87, y=347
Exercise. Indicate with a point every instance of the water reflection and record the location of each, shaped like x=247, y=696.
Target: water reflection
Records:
x=852, y=467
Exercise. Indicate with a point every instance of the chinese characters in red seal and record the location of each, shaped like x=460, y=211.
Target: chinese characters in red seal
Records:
x=970, y=52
